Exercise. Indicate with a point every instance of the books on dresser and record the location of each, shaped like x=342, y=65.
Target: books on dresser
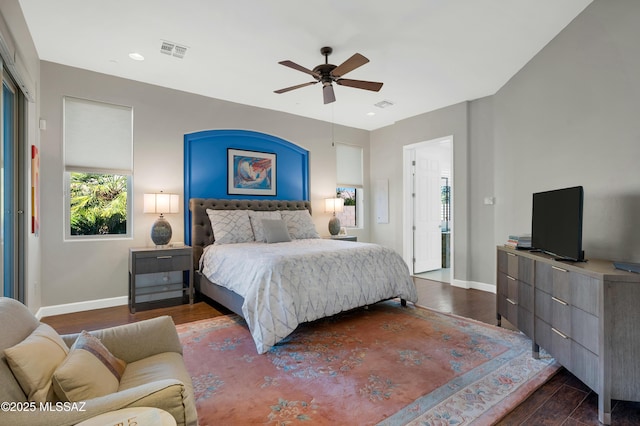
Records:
x=519, y=241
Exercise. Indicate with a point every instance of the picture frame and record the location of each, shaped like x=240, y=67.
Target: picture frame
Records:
x=251, y=172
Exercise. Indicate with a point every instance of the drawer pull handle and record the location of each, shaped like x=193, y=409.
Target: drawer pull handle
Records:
x=562, y=302
x=559, y=333
x=511, y=278
x=559, y=269
x=511, y=301
x=164, y=257
x=511, y=254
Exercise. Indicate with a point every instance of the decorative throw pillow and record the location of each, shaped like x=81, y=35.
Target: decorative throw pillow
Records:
x=230, y=226
x=275, y=231
x=89, y=371
x=256, y=217
x=299, y=224
x=34, y=360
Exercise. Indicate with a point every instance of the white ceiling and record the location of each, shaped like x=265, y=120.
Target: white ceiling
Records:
x=429, y=53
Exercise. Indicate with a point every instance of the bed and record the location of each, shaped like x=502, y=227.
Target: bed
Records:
x=275, y=287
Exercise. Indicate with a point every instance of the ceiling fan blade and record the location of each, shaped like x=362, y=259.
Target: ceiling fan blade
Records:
x=299, y=68
x=328, y=94
x=360, y=84
x=357, y=60
x=287, y=89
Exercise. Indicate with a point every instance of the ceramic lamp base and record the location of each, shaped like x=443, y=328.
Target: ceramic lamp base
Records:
x=334, y=226
x=161, y=232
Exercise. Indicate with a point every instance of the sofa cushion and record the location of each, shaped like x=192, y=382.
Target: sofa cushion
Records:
x=89, y=371
x=163, y=366
x=34, y=360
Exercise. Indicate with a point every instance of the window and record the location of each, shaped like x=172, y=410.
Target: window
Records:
x=445, y=197
x=349, y=180
x=98, y=146
x=348, y=216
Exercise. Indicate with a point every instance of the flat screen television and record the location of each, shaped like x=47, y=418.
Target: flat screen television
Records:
x=556, y=225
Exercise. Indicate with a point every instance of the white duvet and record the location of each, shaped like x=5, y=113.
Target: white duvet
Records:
x=285, y=284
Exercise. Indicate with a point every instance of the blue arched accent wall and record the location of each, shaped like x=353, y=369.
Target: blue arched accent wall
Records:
x=205, y=166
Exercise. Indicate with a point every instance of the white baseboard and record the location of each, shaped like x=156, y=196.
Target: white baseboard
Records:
x=474, y=284
x=67, y=308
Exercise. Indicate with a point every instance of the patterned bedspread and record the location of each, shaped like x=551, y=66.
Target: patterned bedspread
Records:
x=285, y=284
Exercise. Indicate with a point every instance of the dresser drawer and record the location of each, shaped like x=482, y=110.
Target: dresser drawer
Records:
x=561, y=347
x=561, y=316
x=543, y=305
x=525, y=321
x=512, y=265
x=161, y=263
x=543, y=334
x=584, y=364
x=544, y=278
x=584, y=328
x=561, y=285
x=525, y=296
x=585, y=293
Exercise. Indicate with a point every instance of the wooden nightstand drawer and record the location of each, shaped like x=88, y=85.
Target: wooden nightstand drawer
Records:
x=159, y=275
x=162, y=263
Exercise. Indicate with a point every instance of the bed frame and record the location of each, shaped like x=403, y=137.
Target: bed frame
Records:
x=202, y=236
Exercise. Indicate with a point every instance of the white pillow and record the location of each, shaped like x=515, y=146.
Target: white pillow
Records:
x=255, y=217
x=299, y=224
x=275, y=231
x=230, y=226
x=34, y=360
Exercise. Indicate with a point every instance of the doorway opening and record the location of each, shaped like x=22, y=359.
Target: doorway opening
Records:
x=428, y=205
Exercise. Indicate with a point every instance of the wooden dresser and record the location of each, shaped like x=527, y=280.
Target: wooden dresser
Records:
x=585, y=314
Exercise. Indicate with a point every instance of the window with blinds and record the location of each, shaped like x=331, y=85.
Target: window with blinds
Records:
x=98, y=159
x=349, y=181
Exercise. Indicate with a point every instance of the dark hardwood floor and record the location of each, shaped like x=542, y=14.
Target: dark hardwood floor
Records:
x=563, y=400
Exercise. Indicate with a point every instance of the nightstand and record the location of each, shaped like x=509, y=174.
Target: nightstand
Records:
x=342, y=238
x=160, y=275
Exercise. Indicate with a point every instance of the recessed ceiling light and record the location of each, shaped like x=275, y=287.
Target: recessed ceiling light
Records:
x=370, y=114
x=136, y=56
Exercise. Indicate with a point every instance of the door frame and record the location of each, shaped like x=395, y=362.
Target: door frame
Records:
x=407, y=200
x=16, y=273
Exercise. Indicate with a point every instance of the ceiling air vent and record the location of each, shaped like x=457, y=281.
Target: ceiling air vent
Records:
x=384, y=104
x=173, y=49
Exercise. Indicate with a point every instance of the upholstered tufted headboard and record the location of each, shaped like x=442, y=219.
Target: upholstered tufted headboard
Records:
x=201, y=231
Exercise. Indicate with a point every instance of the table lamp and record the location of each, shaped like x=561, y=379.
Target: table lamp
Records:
x=161, y=203
x=334, y=205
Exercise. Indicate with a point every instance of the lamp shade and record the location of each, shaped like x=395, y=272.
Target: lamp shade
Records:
x=334, y=205
x=161, y=203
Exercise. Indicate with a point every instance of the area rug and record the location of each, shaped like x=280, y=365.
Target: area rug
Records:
x=385, y=365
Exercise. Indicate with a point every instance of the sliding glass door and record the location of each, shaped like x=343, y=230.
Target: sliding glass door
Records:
x=8, y=189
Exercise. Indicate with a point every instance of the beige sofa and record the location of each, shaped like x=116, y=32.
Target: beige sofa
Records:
x=154, y=376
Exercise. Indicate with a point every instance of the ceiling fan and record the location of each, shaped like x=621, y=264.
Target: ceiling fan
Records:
x=328, y=73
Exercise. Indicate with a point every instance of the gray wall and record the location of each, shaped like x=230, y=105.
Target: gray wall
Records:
x=77, y=271
x=572, y=117
x=568, y=117
x=386, y=162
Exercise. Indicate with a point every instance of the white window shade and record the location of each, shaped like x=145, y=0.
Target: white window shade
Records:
x=98, y=137
x=349, y=165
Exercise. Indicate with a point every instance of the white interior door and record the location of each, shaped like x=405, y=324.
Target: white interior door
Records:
x=427, y=238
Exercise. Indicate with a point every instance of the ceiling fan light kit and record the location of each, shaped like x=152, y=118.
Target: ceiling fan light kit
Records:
x=328, y=73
